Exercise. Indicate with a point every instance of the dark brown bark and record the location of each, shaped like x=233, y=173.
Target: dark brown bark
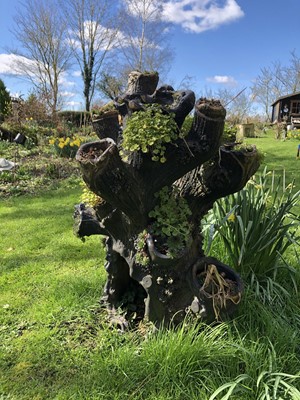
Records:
x=201, y=171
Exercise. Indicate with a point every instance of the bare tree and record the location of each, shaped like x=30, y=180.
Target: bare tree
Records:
x=290, y=74
x=238, y=104
x=143, y=42
x=275, y=81
x=264, y=91
x=110, y=86
x=40, y=31
x=91, y=36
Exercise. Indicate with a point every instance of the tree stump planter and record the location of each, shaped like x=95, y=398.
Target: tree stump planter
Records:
x=107, y=125
x=151, y=211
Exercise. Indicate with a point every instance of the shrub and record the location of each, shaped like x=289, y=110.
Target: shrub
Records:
x=74, y=118
x=4, y=99
x=229, y=134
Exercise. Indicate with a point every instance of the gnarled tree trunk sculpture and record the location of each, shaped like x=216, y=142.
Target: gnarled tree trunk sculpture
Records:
x=195, y=171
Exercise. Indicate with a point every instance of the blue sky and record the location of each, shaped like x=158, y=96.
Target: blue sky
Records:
x=220, y=43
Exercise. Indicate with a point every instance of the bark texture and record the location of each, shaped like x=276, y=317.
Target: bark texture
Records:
x=198, y=169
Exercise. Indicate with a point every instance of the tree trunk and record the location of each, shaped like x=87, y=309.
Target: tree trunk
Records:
x=166, y=285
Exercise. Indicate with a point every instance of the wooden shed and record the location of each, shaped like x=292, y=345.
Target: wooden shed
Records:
x=287, y=109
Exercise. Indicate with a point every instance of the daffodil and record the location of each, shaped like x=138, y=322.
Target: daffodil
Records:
x=231, y=218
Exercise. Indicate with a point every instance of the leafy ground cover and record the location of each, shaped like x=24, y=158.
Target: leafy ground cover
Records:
x=56, y=343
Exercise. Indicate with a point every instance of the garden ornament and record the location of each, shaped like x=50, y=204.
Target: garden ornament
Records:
x=155, y=175
x=6, y=165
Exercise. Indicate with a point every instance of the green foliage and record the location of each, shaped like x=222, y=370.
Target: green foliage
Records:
x=269, y=385
x=171, y=221
x=149, y=131
x=256, y=227
x=4, y=99
x=142, y=256
x=186, y=126
x=88, y=197
x=35, y=133
x=99, y=110
x=36, y=170
x=229, y=133
x=294, y=134
x=74, y=118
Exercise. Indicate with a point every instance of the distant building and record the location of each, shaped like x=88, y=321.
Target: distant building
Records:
x=287, y=109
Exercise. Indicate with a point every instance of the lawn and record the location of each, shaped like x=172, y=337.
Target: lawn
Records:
x=280, y=156
x=56, y=342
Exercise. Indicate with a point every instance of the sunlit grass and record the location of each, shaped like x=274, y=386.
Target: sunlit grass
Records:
x=55, y=341
x=280, y=156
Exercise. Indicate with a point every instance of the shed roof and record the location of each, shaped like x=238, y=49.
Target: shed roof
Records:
x=286, y=97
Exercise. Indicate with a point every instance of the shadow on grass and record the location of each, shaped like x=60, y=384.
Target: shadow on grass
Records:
x=64, y=252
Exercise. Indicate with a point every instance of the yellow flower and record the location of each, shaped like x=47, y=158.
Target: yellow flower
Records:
x=231, y=218
x=61, y=145
x=76, y=142
x=51, y=141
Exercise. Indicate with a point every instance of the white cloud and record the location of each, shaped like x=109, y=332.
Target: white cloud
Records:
x=64, y=81
x=9, y=64
x=67, y=81
x=201, y=15
x=105, y=38
x=76, y=74
x=67, y=94
x=222, y=79
x=74, y=104
x=150, y=10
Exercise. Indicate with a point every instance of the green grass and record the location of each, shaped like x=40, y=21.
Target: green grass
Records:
x=55, y=341
x=280, y=156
